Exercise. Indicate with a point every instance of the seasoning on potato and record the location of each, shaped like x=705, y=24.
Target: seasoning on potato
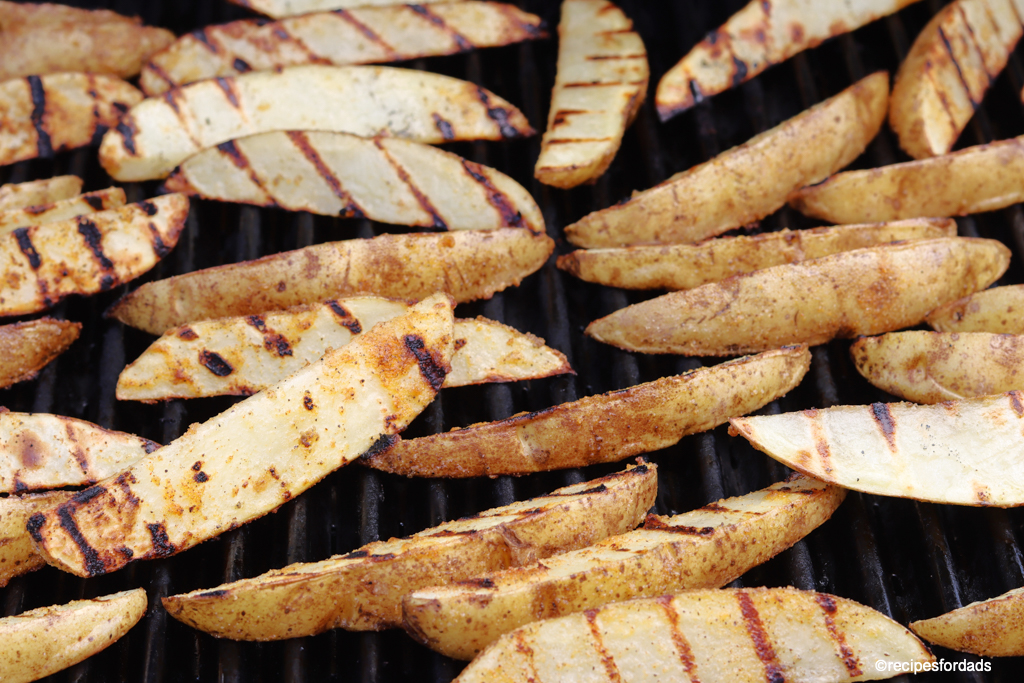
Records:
x=997, y=310
x=63, y=209
x=27, y=347
x=990, y=628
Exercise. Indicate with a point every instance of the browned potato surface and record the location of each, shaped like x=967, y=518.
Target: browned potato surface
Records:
x=27, y=347
x=865, y=291
x=17, y=554
x=63, y=209
x=603, y=428
x=748, y=182
x=990, y=628
x=39, y=192
x=287, y=8
x=997, y=310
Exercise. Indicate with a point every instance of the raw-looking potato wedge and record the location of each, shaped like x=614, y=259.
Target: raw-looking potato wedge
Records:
x=748, y=182
x=990, y=628
x=27, y=347
x=604, y=428
x=930, y=367
x=63, y=209
x=43, y=641
x=971, y=180
x=161, y=132
x=262, y=350
x=997, y=310
x=43, y=115
x=946, y=73
x=38, y=39
x=39, y=192
x=43, y=264
x=467, y=265
x=363, y=590
x=965, y=452
x=42, y=451
x=600, y=84
x=259, y=453
x=337, y=174
x=278, y=9
x=864, y=291
x=761, y=34
x=705, y=548
x=685, y=266
x=359, y=36
x=744, y=635
x=17, y=554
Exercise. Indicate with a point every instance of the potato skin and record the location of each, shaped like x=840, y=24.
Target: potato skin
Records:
x=39, y=192
x=997, y=310
x=27, y=347
x=990, y=628
x=17, y=554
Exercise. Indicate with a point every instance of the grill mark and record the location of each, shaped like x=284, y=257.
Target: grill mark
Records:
x=162, y=547
x=384, y=443
x=242, y=163
x=520, y=643
x=204, y=38
x=347, y=320
x=93, y=201
x=277, y=344
x=93, y=564
x=171, y=98
x=160, y=248
x=94, y=240
x=821, y=445
x=593, y=84
x=959, y=71
x=159, y=71
x=241, y=66
x=763, y=647
x=213, y=594
x=350, y=208
x=740, y=74
x=563, y=141
x=25, y=244
x=444, y=127
x=482, y=582
x=421, y=198
x=228, y=86
x=127, y=131
x=595, y=58
x=679, y=640
x=974, y=38
x=35, y=523
x=368, y=32
x=44, y=145
x=215, y=363
x=883, y=417
x=431, y=370
x=828, y=606
x=606, y=658
x=495, y=197
x=149, y=208
x=307, y=402
x=499, y=115
x=439, y=22
x=1015, y=403
x=188, y=334
x=257, y=321
x=655, y=524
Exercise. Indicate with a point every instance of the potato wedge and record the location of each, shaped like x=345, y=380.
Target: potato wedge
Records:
x=705, y=548
x=264, y=349
x=42, y=264
x=17, y=554
x=604, y=428
x=337, y=174
x=760, y=35
x=467, y=265
x=946, y=73
x=748, y=182
x=363, y=590
x=63, y=209
x=930, y=367
x=44, y=115
x=43, y=641
x=37, y=39
x=865, y=291
x=359, y=36
x=747, y=635
x=286, y=8
x=995, y=310
x=600, y=84
x=971, y=180
x=39, y=192
x=685, y=266
x=990, y=628
x=27, y=347
x=258, y=454
x=161, y=132
x=964, y=452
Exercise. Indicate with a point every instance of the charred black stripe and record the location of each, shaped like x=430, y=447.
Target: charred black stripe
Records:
x=444, y=127
x=439, y=22
x=828, y=605
x=356, y=554
x=84, y=496
x=212, y=594
x=421, y=198
x=272, y=341
x=97, y=134
x=159, y=71
x=431, y=370
x=257, y=321
x=149, y=446
x=126, y=552
x=959, y=71
x=25, y=244
x=93, y=201
x=43, y=144
x=758, y=636
x=160, y=248
x=349, y=208
x=149, y=208
x=655, y=524
x=384, y=443
x=497, y=199
x=228, y=87
x=203, y=38
x=231, y=149
x=127, y=131
x=682, y=645
x=171, y=98
x=94, y=240
x=482, y=582
x=35, y=523
x=364, y=29
x=499, y=115
x=93, y=564
x=884, y=419
x=201, y=477
x=740, y=74
x=1015, y=403
x=215, y=364
x=307, y=402
x=162, y=547
x=241, y=66
x=347, y=320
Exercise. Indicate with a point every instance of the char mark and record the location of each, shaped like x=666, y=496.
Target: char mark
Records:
x=44, y=144
x=307, y=402
x=187, y=333
x=127, y=131
x=203, y=38
x=160, y=247
x=25, y=244
x=499, y=115
x=241, y=66
x=421, y=198
x=443, y=126
x=213, y=594
x=93, y=564
x=301, y=142
x=94, y=240
x=257, y=321
x=883, y=417
x=828, y=606
x=274, y=342
x=678, y=639
x=93, y=201
x=35, y=523
x=84, y=496
x=162, y=547
x=231, y=149
x=1015, y=403
x=654, y=523
x=126, y=552
x=959, y=71
x=431, y=370
x=356, y=554
x=439, y=22
x=201, y=477
x=482, y=582
x=347, y=320
x=740, y=74
x=497, y=199
x=610, y=668
x=370, y=34
x=229, y=90
x=384, y=443
x=758, y=636
x=215, y=363
x=149, y=208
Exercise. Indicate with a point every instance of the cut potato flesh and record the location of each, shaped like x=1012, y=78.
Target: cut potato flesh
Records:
x=286, y=8
x=359, y=36
x=600, y=83
x=258, y=454
x=990, y=628
x=749, y=635
x=17, y=554
x=604, y=428
x=995, y=310
x=39, y=192
x=965, y=452
x=685, y=266
x=466, y=264
x=336, y=174
x=865, y=291
x=27, y=347
x=161, y=132
x=64, y=209
x=363, y=590
x=748, y=182
x=705, y=548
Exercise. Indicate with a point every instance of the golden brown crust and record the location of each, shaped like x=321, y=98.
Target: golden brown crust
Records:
x=27, y=347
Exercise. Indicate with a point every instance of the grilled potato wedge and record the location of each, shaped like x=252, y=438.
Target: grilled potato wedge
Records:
x=467, y=265
x=43, y=641
x=990, y=628
x=685, y=266
x=705, y=548
x=39, y=192
x=924, y=452
x=17, y=554
x=27, y=347
x=258, y=454
x=865, y=291
x=42, y=264
x=44, y=115
x=337, y=174
x=972, y=180
x=746, y=635
x=62, y=210
x=758, y=36
x=161, y=132
x=363, y=590
x=264, y=349
x=747, y=182
x=600, y=84
x=41, y=451
x=946, y=73
x=359, y=36
x=286, y=8
x=995, y=310
x=604, y=428
x=47, y=38
x=930, y=367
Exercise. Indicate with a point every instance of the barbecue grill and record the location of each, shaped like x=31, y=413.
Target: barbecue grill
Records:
x=906, y=559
